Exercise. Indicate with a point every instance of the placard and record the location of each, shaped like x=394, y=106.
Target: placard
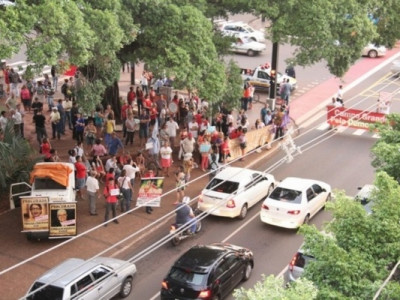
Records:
x=35, y=213
x=150, y=192
x=62, y=219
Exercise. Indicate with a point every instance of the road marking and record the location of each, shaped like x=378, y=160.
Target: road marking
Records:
x=359, y=131
x=324, y=126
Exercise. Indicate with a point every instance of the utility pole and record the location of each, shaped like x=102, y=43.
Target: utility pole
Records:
x=132, y=73
x=274, y=73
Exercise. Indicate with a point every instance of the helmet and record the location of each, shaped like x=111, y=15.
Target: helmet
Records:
x=186, y=200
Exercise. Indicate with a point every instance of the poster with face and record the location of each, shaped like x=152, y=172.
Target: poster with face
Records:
x=62, y=219
x=35, y=213
x=150, y=192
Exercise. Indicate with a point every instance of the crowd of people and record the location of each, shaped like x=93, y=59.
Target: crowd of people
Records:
x=152, y=130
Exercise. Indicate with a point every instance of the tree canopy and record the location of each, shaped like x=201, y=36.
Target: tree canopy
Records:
x=354, y=254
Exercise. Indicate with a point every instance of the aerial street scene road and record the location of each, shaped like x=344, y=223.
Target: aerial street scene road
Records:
x=170, y=150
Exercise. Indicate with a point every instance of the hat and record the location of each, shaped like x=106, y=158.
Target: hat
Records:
x=54, y=108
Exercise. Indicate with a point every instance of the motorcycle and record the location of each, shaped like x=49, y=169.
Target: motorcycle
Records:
x=178, y=235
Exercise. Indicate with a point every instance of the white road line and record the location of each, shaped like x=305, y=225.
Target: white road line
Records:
x=376, y=136
x=359, y=132
x=324, y=126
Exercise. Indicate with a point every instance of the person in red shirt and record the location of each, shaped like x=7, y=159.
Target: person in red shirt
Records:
x=147, y=104
x=45, y=148
x=111, y=192
x=131, y=96
x=152, y=94
x=153, y=114
x=225, y=149
x=80, y=175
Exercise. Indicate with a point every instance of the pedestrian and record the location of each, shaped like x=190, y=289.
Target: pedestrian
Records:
x=11, y=102
x=26, y=98
x=278, y=121
x=124, y=115
x=14, y=81
x=92, y=188
x=243, y=143
x=21, y=110
x=287, y=91
x=17, y=121
x=36, y=106
x=144, y=120
x=79, y=127
x=98, y=149
x=40, y=128
x=171, y=129
x=213, y=159
x=41, y=93
x=111, y=192
x=180, y=183
x=131, y=96
x=54, y=120
x=126, y=189
x=54, y=76
x=61, y=110
x=80, y=175
x=115, y=144
x=97, y=165
x=205, y=148
x=166, y=158
x=90, y=133
x=130, y=125
x=339, y=95
x=144, y=82
x=4, y=121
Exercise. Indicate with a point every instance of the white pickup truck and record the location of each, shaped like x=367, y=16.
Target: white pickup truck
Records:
x=48, y=205
x=260, y=78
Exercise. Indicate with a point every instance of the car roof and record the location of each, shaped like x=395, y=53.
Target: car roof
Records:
x=66, y=272
x=297, y=183
x=235, y=173
x=201, y=258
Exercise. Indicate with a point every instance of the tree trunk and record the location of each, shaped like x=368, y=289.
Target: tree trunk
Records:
x=111, y=96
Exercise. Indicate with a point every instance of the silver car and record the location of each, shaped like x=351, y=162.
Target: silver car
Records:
x=297, y=264
x=99, y=278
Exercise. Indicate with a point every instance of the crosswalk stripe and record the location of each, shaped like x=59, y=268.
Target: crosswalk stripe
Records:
x=359, y=132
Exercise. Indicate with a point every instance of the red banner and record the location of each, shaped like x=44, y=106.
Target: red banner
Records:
x=354, y=118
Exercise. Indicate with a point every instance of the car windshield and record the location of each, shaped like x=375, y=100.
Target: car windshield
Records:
x=286, y=195
x=187, y=276
x=49, y=292
x=223, y=186
x=47, y=184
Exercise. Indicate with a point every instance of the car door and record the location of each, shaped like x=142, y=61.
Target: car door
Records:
x=82, y=288
x=223, y=277
x=236, y=269
x=320, y=196
x=105, y=281
x=312, y=201
x=257, y=188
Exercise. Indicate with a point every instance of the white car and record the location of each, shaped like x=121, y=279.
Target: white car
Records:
x=75, y=278
x=373, y=51
x=247, y=46
x=241, y=28
x=294, y=202
x=395, y=68
x=234, y=190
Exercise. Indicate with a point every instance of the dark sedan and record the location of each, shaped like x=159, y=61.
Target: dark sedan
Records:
x=208, y=272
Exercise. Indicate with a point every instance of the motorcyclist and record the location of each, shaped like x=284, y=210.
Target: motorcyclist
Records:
x=184, y=214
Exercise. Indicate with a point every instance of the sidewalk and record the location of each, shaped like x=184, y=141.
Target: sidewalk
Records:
x=15, y=248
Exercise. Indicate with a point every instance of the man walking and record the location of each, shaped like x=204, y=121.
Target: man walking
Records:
x=92, y=188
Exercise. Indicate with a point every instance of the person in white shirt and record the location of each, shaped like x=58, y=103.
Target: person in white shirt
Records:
x=171, y=129
x=79, y=149
x=21, y=110
x=124, y=183
x=3, y=121
x=131, y=169
x=17, y=119
x=166, y=158
x=194, y=128
x=112, y=163
x=339, y=95
x=92, y=188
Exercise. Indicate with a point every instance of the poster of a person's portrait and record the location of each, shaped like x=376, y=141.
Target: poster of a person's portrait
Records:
x=62, y=219
x=35, y=213
x=150, y=192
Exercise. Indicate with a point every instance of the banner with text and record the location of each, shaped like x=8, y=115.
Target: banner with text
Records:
x=354, y=118
x=150, y=192
x=62, y=219
x=35, y=213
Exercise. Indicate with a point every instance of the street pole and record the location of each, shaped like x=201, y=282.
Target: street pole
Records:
x=274, y=68
x=132, y=73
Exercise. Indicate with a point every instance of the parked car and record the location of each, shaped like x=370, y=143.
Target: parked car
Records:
x=240, y=28
x=372, y=50
x=294, y=202
x=364, y=196
x=208, y=272
x=395, y=68
x=99, y=278
x=247, y=46
x=234, y=190
x=297, y=264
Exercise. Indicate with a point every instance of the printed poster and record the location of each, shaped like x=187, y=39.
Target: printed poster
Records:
x=35, y=213
x=62, y=219
x=150, y=192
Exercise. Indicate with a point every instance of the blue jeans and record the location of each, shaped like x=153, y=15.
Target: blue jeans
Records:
x=68, y=119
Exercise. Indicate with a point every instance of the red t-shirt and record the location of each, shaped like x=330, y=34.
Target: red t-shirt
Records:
x=147, y=103
x=106, y=192
x=124, y=109
x=46, y=150
x=80, y=170
x=131, y=97
x=198, y=118
x=109, y=175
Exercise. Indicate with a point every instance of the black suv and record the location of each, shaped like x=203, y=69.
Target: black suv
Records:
x=208, y=272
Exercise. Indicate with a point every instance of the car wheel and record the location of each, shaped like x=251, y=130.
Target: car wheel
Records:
x=372, y=53
x=251, y=52
x=198, y=226
x=243, y=212
x=126, y=287
x=176, y=241
x=247, y=272
x=306, y=219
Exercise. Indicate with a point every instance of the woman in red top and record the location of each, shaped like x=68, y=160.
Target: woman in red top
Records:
x=45, y=148
x=225, y=149
x=26, y=98
x=111, y=192
x=80, y=169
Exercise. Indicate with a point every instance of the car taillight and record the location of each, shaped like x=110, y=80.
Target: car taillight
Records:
x=294, y=212
x=264, y=206
x=293, y=262
x=231, y=204
x=205, y=294
x=164, y=285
